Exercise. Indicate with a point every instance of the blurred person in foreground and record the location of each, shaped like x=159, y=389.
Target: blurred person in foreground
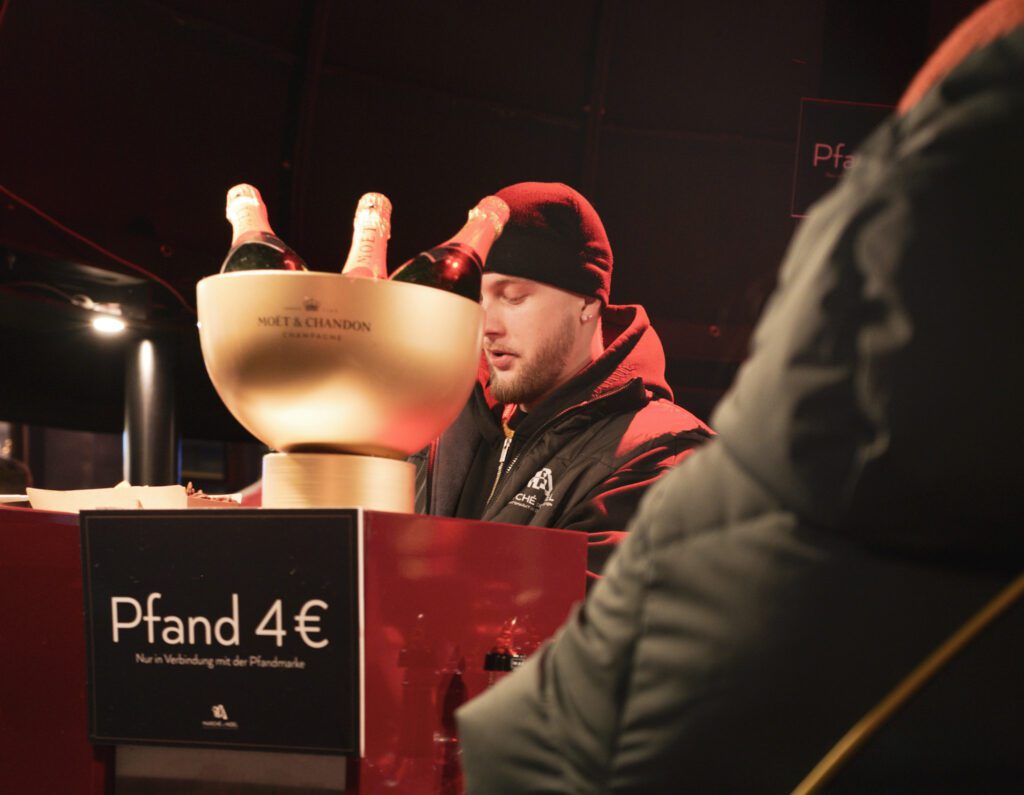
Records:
x=859, y=505
x=573, y=418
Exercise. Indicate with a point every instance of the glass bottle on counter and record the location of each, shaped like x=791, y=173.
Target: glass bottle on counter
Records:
x=371, y=229
x=515, y=642
x=254, y=246
x=456, y=265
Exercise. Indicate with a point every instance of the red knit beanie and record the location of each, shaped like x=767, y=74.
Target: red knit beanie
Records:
x=555, y=236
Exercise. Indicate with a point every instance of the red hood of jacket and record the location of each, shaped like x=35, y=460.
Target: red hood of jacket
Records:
x=632, y=349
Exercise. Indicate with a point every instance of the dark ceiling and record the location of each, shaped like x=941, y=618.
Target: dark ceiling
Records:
x=124, y=122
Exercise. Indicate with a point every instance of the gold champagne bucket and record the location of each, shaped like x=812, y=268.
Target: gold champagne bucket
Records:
x=343, y=376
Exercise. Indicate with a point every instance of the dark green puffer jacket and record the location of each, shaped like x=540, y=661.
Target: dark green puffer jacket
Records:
x=861, y=502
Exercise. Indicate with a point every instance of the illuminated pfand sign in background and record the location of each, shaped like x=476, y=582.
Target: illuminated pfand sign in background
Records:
x=829, y=134
x=232, y=628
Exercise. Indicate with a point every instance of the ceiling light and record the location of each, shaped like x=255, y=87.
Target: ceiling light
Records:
x=108, y=324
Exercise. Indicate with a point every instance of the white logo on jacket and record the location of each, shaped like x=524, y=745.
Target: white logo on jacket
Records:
x=537, y=493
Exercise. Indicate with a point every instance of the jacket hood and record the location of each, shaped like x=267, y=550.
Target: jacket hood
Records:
x=632, y=349
x=631, y=368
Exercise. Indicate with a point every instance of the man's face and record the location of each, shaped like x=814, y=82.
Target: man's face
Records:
x=531, y=337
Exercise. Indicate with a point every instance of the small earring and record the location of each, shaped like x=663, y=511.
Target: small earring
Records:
x=586, y=318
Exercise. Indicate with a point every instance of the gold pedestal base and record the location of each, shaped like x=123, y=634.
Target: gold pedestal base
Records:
x=336, y=480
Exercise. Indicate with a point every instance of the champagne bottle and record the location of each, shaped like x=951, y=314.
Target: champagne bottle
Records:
x=456, y=265
x=254, y=246
x=371, y=228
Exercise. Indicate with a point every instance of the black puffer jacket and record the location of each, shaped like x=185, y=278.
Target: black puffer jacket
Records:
x=581, y=459
x=861, y=502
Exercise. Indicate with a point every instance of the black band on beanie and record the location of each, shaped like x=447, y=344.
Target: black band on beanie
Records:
x=554, y=236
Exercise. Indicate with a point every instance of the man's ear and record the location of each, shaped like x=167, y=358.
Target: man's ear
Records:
x=591, y=309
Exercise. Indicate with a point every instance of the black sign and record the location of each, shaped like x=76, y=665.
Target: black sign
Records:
x=830, y=132
x=233, y=628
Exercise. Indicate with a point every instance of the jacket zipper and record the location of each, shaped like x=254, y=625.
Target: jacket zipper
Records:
x=501, y=463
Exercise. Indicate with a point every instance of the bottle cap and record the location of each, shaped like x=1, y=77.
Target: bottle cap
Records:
x=374, y=209
x=241, y=197
x=493, y=209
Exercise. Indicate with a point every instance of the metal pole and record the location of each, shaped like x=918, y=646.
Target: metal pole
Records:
x=150, y=431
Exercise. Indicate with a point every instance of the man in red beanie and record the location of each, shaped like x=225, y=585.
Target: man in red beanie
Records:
x=574, y=418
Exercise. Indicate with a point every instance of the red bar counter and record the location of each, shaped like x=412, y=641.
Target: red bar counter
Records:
x=43, y=714
x=438, y=593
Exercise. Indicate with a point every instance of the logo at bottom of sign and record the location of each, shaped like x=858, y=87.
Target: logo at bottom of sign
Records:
x=220, y=719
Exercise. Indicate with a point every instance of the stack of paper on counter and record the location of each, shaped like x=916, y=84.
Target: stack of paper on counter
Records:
x=125, y=496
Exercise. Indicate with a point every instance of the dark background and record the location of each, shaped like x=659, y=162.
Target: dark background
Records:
x=126, y=122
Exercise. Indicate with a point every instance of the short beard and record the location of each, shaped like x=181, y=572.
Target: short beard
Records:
x=539, y=375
